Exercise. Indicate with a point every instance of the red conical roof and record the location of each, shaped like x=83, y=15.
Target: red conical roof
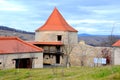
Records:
x=56, y=22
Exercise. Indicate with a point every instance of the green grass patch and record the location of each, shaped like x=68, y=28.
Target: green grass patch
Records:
x=72, y=73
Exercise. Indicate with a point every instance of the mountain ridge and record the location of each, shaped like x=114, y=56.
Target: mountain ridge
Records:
x=15, y=30
x=7, y=31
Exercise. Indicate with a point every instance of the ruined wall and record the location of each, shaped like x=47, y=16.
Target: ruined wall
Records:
x=83, y=54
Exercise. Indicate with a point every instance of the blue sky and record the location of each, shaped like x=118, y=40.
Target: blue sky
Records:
x=87, y=16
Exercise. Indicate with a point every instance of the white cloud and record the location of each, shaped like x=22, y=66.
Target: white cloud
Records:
x=91, y=21
x=52, y=4
x=8, y=6
x=86, y=30
x=90, y=30
x=1, y=1
x=12, y=9
x=107, y=11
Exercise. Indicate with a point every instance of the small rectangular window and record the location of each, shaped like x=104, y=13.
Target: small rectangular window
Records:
x=59, y=37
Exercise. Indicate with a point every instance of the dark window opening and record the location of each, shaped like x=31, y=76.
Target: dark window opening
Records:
x=0, y=62
x=23, y=63
x=58, y=48
x=59, y=37
x=57, y=59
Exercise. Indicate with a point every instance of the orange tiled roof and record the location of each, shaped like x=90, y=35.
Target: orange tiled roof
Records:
x=16, y=45
x=117, y=44
x=47, y=43
x=56, y=22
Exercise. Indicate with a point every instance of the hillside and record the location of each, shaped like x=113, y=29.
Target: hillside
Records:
x=94, y=40
x=97, y=40
x=72, y=73
x=6, y=31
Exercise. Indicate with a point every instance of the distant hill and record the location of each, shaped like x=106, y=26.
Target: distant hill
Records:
x=95, y=40
x=6, y=31
x=84, y=34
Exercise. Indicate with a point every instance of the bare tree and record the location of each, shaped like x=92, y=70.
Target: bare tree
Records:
x=106, y=53
x=111, y=38
x=68, y=50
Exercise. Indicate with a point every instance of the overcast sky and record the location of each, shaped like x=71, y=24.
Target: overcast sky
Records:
x=87, y=16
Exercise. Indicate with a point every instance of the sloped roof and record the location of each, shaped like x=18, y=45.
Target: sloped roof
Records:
x=46, y=43
x=16, y=45
x=117, y=44
x=56, y=22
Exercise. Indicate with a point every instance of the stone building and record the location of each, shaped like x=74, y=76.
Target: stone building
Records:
x=56, y=40
x=116, y=53
x=53, y=36
x=59, y=39
x=16, y=53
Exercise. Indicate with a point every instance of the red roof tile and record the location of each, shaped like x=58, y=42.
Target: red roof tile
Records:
x=47, y=43
x=16, y=45
x=117, y=44
x=56, y=22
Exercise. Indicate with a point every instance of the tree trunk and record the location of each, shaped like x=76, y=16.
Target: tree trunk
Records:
x=67, y=61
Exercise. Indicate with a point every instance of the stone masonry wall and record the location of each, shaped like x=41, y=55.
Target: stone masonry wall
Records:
x=51, y=36
x=8, y=62
x=83, y=55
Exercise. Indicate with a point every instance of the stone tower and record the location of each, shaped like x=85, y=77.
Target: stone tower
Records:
x=53, y=36
x=56, y=29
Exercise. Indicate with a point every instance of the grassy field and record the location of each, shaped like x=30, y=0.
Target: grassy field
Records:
x=73, y=73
